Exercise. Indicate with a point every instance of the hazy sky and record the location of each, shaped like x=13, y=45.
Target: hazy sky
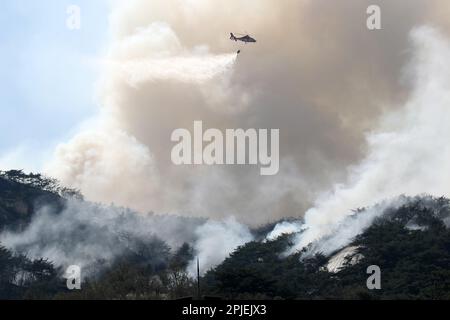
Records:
x=47, y=75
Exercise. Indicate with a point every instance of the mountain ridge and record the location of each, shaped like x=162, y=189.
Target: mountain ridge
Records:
x=410, y=243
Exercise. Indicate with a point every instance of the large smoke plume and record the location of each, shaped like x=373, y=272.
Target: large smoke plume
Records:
x=316, y=73
x=408, y=154
x=361, y=113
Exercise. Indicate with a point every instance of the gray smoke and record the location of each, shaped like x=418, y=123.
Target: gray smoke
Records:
x=408, y=154
x=94, y=236
x=362, y=114
x=316, y=73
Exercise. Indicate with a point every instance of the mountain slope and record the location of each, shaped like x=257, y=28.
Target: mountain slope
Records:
x=21, y=195
x=411, y=245
x=127, y=255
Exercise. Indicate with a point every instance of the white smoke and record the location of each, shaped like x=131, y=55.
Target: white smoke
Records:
x=100, y=158
x=93, y=236
x=216, y=240
x=408, y=154
x=344, y=231
x=285, y=227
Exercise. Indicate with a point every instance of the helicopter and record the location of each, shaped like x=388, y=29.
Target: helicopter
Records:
x=244, y=39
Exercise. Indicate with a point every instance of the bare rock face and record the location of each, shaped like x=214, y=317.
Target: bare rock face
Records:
x=347, y=256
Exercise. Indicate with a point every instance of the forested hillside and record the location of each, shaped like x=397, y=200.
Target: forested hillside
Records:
x=410, y=244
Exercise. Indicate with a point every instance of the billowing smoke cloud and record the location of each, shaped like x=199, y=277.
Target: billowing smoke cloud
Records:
x=215, y=241
x=316, y=73
x=99, y=159
x=408, y=154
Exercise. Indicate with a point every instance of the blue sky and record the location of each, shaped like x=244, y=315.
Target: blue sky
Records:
x=47, y=74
